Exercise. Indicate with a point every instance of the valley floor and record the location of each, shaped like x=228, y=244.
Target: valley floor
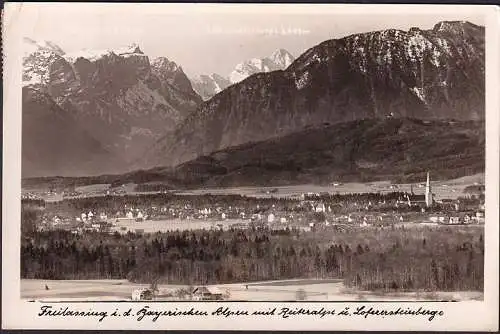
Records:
x=442, y=189
x=450, y=189
x=283, y=290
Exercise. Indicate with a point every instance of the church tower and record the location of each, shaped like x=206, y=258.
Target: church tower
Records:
x=428, y=194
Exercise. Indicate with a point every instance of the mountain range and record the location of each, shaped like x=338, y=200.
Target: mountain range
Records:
x=209, y=85
x=366, y=106
x=116, y=98
x=422, y=74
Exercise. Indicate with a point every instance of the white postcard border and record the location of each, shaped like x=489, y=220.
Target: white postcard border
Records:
x=463, y=316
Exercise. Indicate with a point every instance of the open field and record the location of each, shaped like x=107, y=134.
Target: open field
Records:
x=93, y=188
x=153, y=226
x=442, y=189
x=296, y=190
x=284, y=290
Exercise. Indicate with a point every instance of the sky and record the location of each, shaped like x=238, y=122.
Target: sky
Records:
x=206, y=39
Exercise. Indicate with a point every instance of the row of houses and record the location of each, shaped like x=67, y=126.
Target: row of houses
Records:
x=189, y=212
x=201, y=293
x=462, y=218
x=30, y=196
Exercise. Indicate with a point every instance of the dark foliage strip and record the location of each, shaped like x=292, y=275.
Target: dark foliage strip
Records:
x=383, y=259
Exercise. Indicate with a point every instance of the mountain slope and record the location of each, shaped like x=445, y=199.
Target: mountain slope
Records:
x=426, y=74
x=54, y=144
x=118, y=97
x=209, y=85
x=397, y=149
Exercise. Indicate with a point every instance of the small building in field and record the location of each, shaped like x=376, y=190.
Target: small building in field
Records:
x=454, y=220
x=207, y=293
x=140, y=217
x=320, y=208
x=142, y=294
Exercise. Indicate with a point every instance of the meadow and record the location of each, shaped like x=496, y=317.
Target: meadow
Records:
x=283, y=290
x=452, y=188
x=153, y=226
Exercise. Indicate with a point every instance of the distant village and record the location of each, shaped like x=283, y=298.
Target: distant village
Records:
x=308, y=211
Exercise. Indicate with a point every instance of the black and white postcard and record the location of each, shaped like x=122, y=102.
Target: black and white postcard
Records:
x=250, y=166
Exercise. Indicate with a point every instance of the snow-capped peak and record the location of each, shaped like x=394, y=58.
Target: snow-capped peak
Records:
x=165, y=64
x=279, y=60
x=37, y=57
x=130, y=49
x=209, y=85
x=282, y=58
x=200, y=78
x=450, y=25
x=92, y=55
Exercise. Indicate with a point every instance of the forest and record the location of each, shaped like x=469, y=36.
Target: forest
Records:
x=428, y=258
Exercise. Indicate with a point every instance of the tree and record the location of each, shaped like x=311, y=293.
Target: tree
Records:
x=300, y=294
x=29, y=217
x=154, y=286
x=319, y=217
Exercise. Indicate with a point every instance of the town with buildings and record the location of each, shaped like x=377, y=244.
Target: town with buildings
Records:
x=308, y=211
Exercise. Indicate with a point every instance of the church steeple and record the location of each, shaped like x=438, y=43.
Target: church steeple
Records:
x=428, y=194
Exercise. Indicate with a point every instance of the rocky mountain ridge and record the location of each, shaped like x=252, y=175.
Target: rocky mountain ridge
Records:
x=209, y=85
x=423, y=74
x=118, y=97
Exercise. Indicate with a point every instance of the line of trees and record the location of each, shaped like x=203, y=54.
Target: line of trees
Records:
x=438, y=258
